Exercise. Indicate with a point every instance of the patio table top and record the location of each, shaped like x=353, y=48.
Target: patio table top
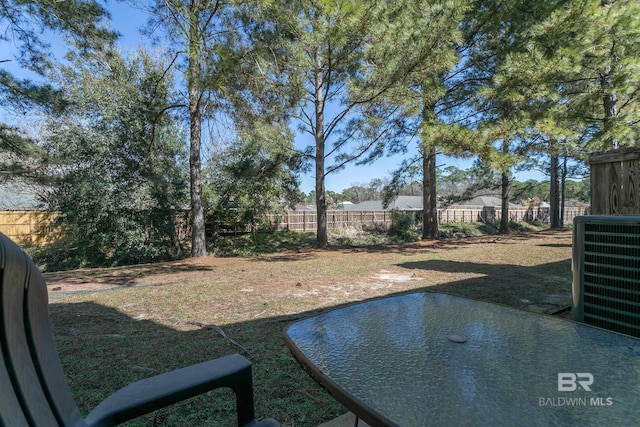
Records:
x=434, y=359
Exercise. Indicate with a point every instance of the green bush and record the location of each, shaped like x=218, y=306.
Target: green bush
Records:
x=248, y=244
x=457, y=230
x=525, y=227
x=402, y=227
x=108, y=240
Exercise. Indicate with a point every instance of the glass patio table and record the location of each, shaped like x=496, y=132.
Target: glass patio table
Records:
x=433, y=359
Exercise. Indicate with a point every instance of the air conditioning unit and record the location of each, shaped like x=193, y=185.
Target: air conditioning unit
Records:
x=606, y=272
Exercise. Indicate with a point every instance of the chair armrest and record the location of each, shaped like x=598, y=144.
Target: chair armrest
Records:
x=147, y=395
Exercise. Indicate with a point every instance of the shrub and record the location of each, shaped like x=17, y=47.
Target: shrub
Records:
x=402, y=227
x=457, y=230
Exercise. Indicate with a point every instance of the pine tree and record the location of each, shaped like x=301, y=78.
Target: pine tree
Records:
x=501, y=89
x=415, y=54
x=578, y=74
x=595, y=45
x=216, y=46
x=338, y=109
x=433, y=76
x=22, y=24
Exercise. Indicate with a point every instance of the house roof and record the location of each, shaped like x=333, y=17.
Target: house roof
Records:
x=303, y=207
x=407, y=203
x=403, y=203
x=482, y=201
x=575, y=203
x=16, y=197
x=368, y=205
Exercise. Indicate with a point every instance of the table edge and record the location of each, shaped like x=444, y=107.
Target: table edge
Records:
x=352, y=403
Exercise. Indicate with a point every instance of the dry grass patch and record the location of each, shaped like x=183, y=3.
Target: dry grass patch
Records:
x=117, y=325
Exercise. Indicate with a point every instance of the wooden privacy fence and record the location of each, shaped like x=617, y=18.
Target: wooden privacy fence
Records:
x=307, y=220
x=336, y=219
x=28, y=226
x=36, y=227
x=517, y=214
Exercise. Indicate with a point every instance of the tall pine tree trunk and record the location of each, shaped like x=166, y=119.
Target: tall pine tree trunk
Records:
x=554, y=193
x=198, y=240
x=429, y=204
x=504, y=212
x=609, y=103
x=322, y=238
x=504, y=185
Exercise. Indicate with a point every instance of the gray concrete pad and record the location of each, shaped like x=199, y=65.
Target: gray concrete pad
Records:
x=345, y=420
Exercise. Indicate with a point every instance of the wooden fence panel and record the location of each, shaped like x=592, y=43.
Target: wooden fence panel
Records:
x=28, y=226
x=517, y=214
x=336, y=219
x=478, y=214
x=36, y=227
x=615, y=182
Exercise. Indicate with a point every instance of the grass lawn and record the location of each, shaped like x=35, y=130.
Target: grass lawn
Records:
x=114, y=326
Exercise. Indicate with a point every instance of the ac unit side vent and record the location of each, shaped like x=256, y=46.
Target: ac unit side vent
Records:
x=621, y=230
x=608, y=254
x=609, y=283
x=611, y=249
x=618, y=309
x=607, y=323
x=613, y=271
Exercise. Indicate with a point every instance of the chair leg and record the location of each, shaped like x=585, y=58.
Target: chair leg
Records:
x=244, y=398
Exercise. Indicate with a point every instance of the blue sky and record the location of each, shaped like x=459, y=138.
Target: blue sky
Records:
x=127, y=20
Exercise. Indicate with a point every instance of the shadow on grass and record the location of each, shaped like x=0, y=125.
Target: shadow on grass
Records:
x=297, y=242
x=292, y=256
x=428, y=246
x=539, y=288
x=103, y=349
x=125, y=276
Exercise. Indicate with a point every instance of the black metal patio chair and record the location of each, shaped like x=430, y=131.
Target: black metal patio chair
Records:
x=33, y=387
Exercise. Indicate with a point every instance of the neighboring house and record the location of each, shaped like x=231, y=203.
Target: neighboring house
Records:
x=18, y=197
x=575, y=203
x=303, y=207
x=402, y=203
x=482, y=201
x=369, y=205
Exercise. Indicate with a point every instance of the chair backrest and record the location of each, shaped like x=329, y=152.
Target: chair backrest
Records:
x=33, y=388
